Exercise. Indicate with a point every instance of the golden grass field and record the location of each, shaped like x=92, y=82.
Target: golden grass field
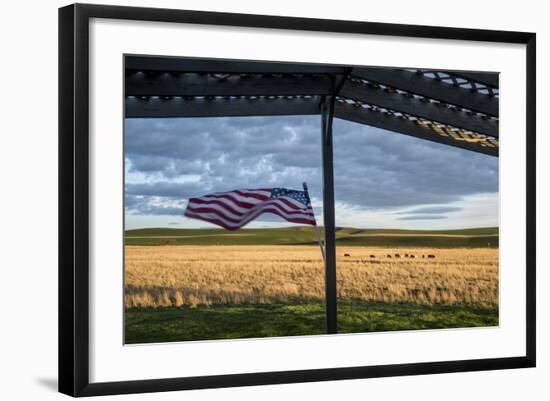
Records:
x=163, y=276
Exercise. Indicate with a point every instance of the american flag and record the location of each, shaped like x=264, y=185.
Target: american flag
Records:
x=234, y=209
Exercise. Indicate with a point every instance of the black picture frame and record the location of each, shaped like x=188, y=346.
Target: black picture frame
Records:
x=74, y=199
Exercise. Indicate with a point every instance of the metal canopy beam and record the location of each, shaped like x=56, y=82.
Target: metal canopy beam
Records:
x=404, y=126
x=194, y=84
x=141, y=84
x=138, y=63
x=419, y=108
x=488, y=79
x=398, y=100
x=431, y=88
x=178, y=107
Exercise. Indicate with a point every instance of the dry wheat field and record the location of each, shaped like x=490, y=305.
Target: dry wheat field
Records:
x=173, y=276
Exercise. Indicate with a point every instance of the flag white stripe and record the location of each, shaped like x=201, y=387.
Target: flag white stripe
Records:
x=225, y=201
x=252, y=211
x=230, y=202
x=235, y=209
x=243, y=210
x=228, y=223
x=266, y=192
x=233, y=195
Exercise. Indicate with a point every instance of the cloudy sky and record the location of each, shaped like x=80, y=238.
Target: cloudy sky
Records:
x=382, y=179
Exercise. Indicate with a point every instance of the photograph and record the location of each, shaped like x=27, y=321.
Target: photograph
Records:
x=270, y=199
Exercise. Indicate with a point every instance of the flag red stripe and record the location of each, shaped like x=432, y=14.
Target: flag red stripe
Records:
x=253, y=211
x=194, y=201
x=238, y=202
x=252, y=214
x=232, y=226
x=233, y=210
x=279, y=203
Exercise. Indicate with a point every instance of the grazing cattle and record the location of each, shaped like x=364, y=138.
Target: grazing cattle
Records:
x=406, y=255
x=431, y=256
x=347, y=254
x=412, y=256
x=372, y=256
x=397, y=255
x=423, y=256
x=389, y=256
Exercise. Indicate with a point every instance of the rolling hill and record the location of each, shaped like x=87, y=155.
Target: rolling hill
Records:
x=304, y=235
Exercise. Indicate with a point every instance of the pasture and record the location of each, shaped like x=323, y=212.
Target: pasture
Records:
x=196, y=292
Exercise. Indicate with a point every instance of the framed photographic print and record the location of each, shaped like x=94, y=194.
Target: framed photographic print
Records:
x=279, y=199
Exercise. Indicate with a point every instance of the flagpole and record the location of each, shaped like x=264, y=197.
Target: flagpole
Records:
x=317, y=233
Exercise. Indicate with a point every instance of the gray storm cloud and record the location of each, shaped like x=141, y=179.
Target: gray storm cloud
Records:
x=173, y=159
